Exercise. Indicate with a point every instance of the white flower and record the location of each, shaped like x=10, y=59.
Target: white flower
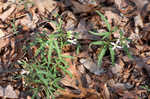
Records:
x=74, y=41
x=24, y=72
x=116, y=45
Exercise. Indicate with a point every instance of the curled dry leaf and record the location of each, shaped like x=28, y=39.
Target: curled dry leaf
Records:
x=118, y=20
x=90, y=2
x=83, y=30
x=138, y=21
x=67, y=80
x=70, y=20
x=7, y=13
x=76, y=83
x=119, y=88
x=120, y=3
x=3, y=42
x=106, y=92
x=81, y=69
x=28, y=21
x=140, y=3
x=91, y=66
x=118, y=68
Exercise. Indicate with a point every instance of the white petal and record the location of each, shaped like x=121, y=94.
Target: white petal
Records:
x=118, y=40
x=72, y=41
x=119, y=47
x=113, y=44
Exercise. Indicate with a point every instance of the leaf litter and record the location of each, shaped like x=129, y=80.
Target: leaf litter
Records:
x=20, y=20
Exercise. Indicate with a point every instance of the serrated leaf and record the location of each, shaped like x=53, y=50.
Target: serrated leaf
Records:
x=101, y=55
x=105, y=20
x=112, y=53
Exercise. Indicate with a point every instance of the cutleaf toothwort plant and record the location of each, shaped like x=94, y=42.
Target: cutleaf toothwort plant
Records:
x=41, y=72
x=108, y=43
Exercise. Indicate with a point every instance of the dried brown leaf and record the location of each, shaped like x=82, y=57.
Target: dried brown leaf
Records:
x=83, y=30
x=4, y=42
x=140, y=4
x=2, y=34
x=91, y=66
x=70, y=20
x=116, y=18
x=7, y=13
x=118, y=68
x=79, y=8
x=8, y=92
x=106, y=91
x=44, y=5
x=138, y=21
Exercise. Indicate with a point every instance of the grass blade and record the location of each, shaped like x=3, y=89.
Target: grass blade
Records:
x=98, y=34
x=105, y=20
x=97, y=43
x=101, y=55
x=112, y=53
x=106, y=36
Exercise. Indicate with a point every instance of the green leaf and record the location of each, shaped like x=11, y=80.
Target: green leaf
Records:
x=104, y=19
x=106, y=36
x=101, y=55
x=115, y=29
x=97, y=43
x=78, y=49
x=121, y=34
x=50, y=50
x=112, y=53
x=98, y=34
x=40, y=49
x=67, y=56
x=58, y=50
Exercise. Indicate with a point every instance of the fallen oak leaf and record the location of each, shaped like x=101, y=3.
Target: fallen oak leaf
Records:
x=67, y=80
x=72, y=82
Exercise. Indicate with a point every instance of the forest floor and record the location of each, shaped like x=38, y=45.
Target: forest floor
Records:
x=75, y=49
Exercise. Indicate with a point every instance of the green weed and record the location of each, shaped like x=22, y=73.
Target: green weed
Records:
x=107, y=42
x=48, y=65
